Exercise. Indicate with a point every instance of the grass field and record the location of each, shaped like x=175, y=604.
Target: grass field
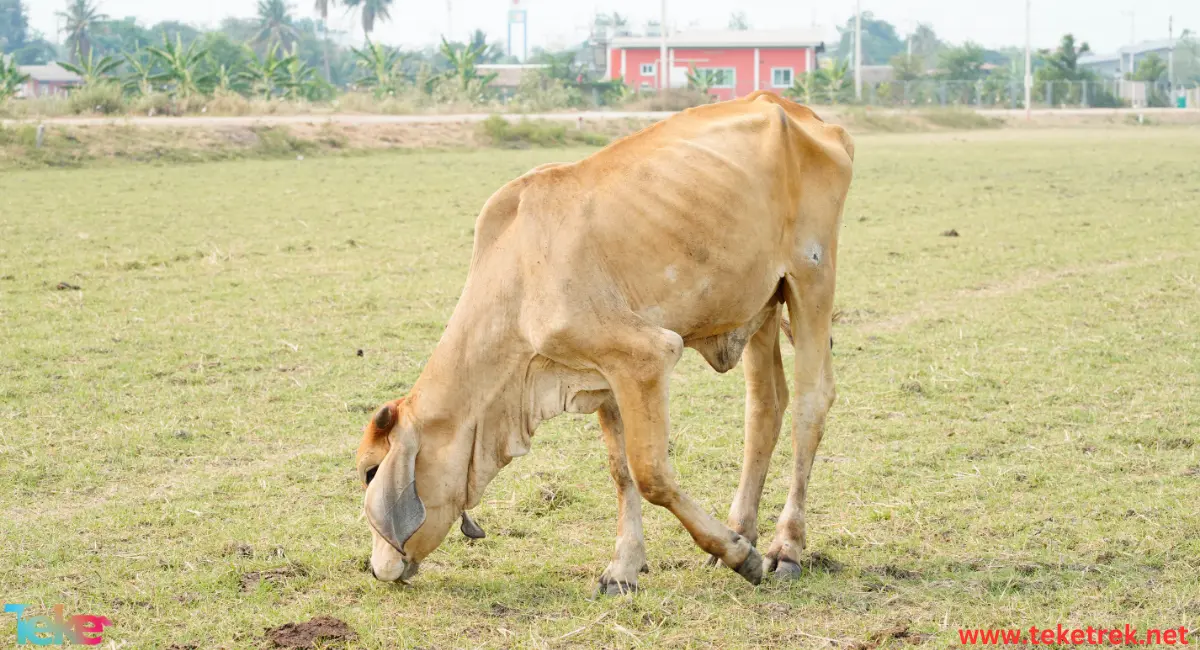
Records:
x=1016, y=440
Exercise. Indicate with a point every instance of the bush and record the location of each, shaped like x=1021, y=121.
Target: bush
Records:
x=227, y=103
x=500, y=132
x=103, y=98
x=676, y=99
x=152, y=104
x=959, y=119
x=539, y=92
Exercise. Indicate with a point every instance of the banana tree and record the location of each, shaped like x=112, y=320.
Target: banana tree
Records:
x=224, y=79
x=835, y=79
x=802, y=87
x=11, y=78
x=380, y=65
x=267, y=75
x=462, y=66
x=91, y=70
x=301, y=81
x=141, y=75
x=181, y=66
x=701, y=80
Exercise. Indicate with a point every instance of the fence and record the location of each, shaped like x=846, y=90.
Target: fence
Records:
x=996, y=93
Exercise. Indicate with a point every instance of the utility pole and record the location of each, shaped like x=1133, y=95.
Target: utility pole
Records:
x=858, y=50
x=664, y=69
x=1028, y=63
x=1171, y=53
x=449, y=21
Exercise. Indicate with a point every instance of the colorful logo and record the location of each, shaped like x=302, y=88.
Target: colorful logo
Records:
x=83, y=629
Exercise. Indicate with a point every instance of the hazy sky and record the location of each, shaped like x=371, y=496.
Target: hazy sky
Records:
x=1104, y=23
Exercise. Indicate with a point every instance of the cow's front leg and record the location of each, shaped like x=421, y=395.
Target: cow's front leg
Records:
x=637, y=365
x=630, y=556
x=766, y=401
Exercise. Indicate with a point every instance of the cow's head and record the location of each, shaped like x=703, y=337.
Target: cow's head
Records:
x=413, y=476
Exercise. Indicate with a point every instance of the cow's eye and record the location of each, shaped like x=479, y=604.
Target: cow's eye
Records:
x=371, y=474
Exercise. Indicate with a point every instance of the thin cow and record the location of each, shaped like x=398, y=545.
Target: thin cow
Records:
x=587, y=281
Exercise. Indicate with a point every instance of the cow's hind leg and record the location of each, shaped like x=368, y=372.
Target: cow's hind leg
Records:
x=630, y=556
x=766, y=401
x=811, y=313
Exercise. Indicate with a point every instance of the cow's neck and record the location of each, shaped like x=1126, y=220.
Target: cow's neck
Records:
x=473, y=384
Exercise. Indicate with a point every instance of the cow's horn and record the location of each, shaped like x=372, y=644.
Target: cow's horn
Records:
x=385, y=418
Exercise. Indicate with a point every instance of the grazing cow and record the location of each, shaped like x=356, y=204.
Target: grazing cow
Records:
x=587, y=281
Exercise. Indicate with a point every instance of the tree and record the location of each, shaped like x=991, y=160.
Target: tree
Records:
x=117, y=37
x=371, y=11
x=14, y=25
x=488, y=52
x=92, y=71
x=1152, y=69
x=275, y=24
x=80, y=18
x=1063, y=63
x=880, y=40
x=11, y=78
x=380, y=65
x=180, y=66
x=925, y=45
x=964, y=63
x=738, y=21
x=322, y=9
x=906, y=67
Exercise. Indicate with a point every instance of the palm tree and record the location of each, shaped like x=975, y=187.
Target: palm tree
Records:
x=372, y=10
x=181, y=65
x=80, y=17
x=275, y=24
x=91, y=70
x=322, y=7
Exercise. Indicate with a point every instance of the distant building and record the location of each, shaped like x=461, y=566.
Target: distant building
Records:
x=47, y=80
x=1125, y=60
x=740, y=62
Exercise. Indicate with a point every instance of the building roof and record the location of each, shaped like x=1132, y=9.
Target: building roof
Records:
x=51, y=73
x=728, y=38
x=1137, y=49
x=1145, y=47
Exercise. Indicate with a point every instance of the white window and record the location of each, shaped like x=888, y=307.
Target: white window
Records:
x=648, y=70
x=781, y=77
x=721, y=77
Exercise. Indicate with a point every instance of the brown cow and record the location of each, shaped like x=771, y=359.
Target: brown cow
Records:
x=587, y=280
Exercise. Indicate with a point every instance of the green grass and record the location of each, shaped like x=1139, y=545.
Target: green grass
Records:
x=1016, y=440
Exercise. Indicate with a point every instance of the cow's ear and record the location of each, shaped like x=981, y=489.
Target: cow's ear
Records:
x=470, y=528
x=394, y=509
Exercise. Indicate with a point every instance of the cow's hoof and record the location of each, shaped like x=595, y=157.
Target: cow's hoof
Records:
x=787, y=570
x=751, y=568
x=608, y=587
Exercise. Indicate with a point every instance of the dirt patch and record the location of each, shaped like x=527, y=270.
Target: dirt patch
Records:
x=819, y=561
x=251, y=580
x=893, y=571
x=306, y=635
x=876, y=639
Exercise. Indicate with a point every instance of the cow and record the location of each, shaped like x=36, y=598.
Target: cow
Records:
x=587, y=281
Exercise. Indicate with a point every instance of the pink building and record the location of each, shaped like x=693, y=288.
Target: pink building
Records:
x=740, y=61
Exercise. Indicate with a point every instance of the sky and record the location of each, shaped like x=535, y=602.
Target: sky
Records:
x=1105, y=24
